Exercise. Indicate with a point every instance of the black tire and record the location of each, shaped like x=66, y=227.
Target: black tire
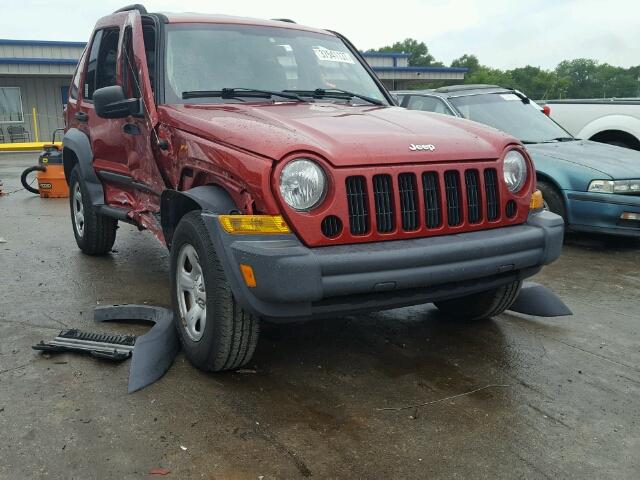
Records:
x=98, y=232
x=553, y=199
x=230, y=335
x=23, y=178
x=479, y=306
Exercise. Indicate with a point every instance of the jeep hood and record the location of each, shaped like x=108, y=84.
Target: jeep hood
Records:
x=607, y=160
x=343, y=134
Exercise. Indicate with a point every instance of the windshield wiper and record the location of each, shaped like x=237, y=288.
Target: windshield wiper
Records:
x=228, y=93
x=335, y=93
x=562, y=139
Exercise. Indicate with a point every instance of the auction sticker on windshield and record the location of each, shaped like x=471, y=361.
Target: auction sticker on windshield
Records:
x=327, y=55
x=510, y=97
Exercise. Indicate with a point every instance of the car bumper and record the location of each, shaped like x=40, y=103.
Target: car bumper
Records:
x=297, y=282
x=603, y=213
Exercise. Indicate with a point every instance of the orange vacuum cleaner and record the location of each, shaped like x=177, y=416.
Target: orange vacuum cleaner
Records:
x=50, y=173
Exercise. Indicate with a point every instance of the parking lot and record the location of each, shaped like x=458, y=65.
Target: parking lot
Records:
x=561, y=397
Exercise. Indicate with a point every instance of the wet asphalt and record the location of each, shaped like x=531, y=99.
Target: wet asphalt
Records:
x=562, y=396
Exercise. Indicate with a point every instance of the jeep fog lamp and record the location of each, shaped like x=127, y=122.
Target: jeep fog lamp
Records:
x=515, y=170
x=302, y=184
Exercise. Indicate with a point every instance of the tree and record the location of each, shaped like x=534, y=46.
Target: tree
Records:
x=467, y=61
x=418, y=51
x=578, y=78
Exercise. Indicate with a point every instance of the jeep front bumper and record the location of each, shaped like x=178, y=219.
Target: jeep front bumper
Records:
x=297, y=282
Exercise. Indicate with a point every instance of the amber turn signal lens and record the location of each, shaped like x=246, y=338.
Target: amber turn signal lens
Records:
x=247, y=274
x=537, y=202
x=254, y=224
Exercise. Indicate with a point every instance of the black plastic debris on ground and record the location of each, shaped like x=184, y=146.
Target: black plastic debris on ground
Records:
x=151, y=354
x=538, y=300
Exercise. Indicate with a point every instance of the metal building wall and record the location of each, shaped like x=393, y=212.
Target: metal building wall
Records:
x=44, y=93
x=39, y=49
x=37, y=57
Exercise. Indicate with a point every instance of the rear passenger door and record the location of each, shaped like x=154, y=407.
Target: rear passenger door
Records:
x=140, y=137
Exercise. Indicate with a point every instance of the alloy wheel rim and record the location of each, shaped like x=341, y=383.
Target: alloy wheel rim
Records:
x=192, y=294
x=78, y=210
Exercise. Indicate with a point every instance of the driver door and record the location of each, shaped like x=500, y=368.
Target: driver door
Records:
x=139, y=134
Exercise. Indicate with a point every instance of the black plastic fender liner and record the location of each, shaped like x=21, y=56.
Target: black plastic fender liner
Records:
x=77, y=142
x=174, y=204
x=154, y=351
x=538, y=300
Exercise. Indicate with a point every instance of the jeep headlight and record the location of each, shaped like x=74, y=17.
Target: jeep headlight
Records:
x=302, y=184
x=614, y=186
x=514, y=170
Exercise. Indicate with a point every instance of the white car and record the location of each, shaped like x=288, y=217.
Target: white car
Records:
x=613, y=121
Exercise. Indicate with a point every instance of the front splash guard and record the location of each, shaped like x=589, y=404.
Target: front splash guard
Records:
x=538, y=300
x=154, y=351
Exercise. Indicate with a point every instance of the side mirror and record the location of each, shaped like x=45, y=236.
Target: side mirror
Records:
x=396, y=98
x=110, y=102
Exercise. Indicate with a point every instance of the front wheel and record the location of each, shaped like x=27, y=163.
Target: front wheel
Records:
x=215, y=332
x=553, y=201
x=478, y=306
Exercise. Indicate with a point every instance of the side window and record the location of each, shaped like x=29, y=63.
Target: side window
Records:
x=101, y=70
x=149, y=34
x=428, y=104
x=130, y=78
x=74, y=88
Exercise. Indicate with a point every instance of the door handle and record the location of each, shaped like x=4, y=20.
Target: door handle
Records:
x=81, y=116
x=131, y=129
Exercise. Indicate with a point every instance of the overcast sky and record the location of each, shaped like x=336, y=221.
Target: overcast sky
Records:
x=502, y=33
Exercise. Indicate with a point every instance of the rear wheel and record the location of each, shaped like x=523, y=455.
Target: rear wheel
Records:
x=553, y=201
x=95, y=233
x=216, y=333
x=481, y=305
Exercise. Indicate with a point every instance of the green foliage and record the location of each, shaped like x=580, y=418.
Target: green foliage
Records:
x=420, y=56
x=467, y=61
x=579, y=78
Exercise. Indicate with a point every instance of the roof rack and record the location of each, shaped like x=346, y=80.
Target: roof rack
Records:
x=135, y=6
x=288, y=20
x=468, y=86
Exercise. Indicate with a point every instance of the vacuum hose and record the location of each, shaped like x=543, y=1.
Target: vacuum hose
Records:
x=25, y=174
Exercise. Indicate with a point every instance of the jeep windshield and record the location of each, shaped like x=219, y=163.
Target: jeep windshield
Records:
x=508, y=112
x=204, y=60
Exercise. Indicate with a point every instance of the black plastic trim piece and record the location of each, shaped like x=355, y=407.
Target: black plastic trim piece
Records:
x=77, y=142
x=155, y=350
x=127, y=181
x=174, y=204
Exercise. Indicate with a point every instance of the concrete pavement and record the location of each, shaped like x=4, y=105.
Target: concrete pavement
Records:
x=565, y=401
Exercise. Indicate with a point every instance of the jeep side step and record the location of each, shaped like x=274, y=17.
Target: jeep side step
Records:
x=115, y=212
x=101, y=345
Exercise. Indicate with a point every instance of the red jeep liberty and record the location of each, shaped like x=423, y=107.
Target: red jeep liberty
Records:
x=286, y=182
